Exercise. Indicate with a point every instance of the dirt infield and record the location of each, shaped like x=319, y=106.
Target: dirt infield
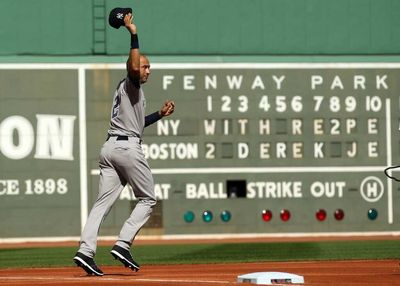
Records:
x=338, y=273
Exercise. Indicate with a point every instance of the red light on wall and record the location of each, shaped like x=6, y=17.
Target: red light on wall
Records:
x=339, y=214
x=266, y=215
x=320, y=215
x=285, y=215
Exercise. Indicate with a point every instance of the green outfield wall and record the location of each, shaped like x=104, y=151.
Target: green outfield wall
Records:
x=262, y=148
x=224, y=27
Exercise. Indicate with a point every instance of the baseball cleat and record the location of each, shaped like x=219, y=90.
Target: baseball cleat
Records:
x=87, y=264
x=125, y=257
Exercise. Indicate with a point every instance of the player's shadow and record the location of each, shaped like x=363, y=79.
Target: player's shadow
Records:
x=123, y=274
x=109, y=274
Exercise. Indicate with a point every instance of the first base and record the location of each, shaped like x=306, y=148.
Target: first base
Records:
x=270, y=278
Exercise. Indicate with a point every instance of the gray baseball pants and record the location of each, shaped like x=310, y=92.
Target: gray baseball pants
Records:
x=121, y=162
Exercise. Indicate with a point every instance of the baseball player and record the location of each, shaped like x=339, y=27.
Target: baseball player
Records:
x=122, y=161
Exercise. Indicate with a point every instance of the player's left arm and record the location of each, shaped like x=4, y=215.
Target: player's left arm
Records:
x=167, y=109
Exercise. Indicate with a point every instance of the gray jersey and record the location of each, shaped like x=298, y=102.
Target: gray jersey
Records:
x=128, y=110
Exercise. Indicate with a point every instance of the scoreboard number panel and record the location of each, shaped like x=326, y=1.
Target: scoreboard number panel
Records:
x=309, y=139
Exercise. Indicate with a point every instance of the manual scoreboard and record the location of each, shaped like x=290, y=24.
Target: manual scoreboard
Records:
x=252, y=148
x=266, y=148
x=279, y=147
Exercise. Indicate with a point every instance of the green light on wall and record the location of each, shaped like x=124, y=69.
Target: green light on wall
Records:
x=226, y=216
x=188, y=216
x=207, y=216
x=372, y=214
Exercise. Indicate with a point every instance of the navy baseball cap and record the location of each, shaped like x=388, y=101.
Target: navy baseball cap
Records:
x=116, y=17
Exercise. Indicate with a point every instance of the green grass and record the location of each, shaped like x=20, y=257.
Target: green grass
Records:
x=211, y=253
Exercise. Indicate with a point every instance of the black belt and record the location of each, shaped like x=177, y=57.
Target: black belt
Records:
x=119, y=137
x=122, y=138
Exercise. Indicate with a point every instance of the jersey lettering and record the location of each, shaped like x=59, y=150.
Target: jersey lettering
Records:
x=117, y=102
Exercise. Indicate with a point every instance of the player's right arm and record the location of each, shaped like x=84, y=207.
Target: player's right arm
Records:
x=133, y=63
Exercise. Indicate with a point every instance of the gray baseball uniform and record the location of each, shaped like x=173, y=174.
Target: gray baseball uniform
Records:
x=122, y=161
